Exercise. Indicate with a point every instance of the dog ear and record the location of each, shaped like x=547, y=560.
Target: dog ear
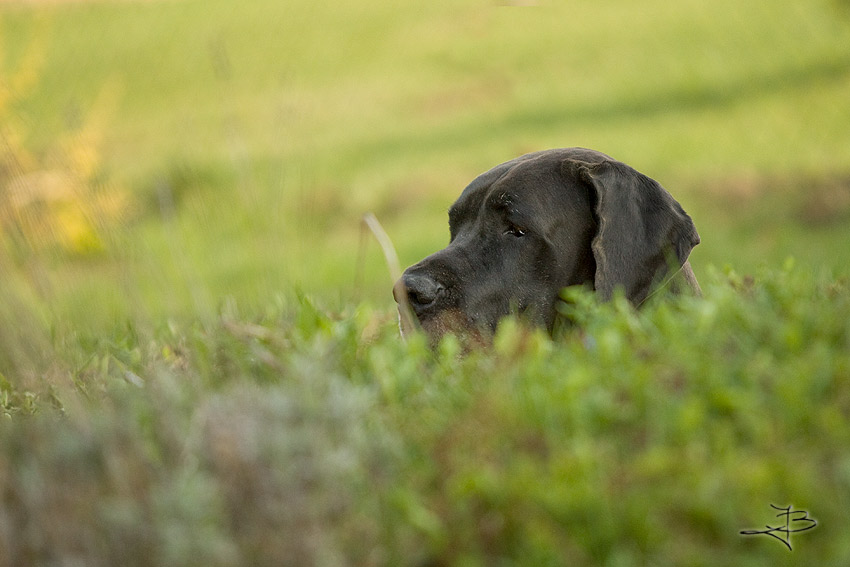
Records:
x=643, y=233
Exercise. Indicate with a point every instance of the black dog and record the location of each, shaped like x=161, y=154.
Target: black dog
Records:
x=539, y=223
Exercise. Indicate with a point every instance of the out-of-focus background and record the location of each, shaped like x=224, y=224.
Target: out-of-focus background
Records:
x=160, y=157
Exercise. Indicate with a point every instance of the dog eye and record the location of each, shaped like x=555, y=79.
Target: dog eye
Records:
x=514, y=230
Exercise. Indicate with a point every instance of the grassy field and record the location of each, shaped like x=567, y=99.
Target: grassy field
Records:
x=199, y=362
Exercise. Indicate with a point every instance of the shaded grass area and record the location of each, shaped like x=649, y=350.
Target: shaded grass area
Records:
x=306, y=437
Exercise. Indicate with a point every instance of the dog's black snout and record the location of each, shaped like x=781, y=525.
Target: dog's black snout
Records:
x=422, y=291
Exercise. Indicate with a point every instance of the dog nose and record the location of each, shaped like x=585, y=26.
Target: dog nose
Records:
x=421, y=290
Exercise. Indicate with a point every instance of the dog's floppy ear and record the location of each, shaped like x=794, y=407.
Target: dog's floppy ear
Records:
x=642, y=231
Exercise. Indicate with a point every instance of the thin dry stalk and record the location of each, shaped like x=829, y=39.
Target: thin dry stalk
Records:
x=406, y=319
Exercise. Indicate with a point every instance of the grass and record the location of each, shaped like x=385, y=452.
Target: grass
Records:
x=282, y=108
x=305, y=437
x=199, y=362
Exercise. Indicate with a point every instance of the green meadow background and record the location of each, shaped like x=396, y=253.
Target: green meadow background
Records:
x=198, y=356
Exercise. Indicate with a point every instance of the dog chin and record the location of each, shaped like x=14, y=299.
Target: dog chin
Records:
x=444, y=322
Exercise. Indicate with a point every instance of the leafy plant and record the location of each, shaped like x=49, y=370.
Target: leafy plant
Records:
x=308, y=437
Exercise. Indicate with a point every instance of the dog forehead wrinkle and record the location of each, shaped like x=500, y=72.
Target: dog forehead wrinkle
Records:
x=508, y=174
x=500, y=202
x=535, y=183
x=502, y=198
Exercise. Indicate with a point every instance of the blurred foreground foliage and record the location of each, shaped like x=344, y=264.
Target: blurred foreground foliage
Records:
x=303, y=437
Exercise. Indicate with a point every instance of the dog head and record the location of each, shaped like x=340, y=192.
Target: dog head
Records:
x=529, y=227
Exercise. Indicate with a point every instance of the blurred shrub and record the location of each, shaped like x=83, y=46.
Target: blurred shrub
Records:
x=306, y=438
x=57, y=196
